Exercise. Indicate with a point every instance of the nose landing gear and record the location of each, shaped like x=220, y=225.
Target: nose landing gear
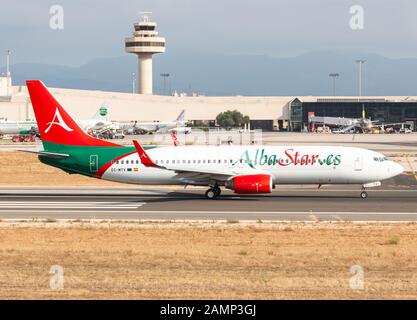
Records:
x=213, y=192
x=364, y=195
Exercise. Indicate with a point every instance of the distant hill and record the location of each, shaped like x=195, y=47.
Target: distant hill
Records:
x=212, y=74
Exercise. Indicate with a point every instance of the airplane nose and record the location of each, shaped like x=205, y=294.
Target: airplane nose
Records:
x=396, y=169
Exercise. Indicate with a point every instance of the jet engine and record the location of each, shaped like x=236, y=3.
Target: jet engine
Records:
x=250, y=184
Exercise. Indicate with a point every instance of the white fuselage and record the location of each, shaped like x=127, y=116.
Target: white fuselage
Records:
x=286, y=164
x=16, y=127
x=93, y=124
x=157, y=126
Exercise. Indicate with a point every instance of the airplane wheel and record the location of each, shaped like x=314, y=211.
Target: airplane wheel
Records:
x=364, y=195
x=211, y=194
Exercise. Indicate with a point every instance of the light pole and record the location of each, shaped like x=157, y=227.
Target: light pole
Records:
x=360, y=62
x=165, y=76
x=334, y=76
x=133, y=83
x=8, y=52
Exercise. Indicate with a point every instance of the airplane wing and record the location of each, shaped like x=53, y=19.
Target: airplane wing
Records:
x=193, y=175
x=388, y=124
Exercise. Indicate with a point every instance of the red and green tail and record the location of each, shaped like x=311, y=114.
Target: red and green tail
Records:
x=66, y=145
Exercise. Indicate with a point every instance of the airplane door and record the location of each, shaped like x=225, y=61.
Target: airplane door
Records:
x=358, y=162
x=93, y=163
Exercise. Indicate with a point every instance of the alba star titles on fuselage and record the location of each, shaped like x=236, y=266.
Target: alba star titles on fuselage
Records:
x=244, y=169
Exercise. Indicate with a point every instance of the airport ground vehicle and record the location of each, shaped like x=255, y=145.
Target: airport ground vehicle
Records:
x=24, y=138
x=243, y=169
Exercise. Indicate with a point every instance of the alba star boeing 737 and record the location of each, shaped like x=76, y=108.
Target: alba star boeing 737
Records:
x=243, y=169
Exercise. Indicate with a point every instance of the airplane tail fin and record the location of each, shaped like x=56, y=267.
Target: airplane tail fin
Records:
x=102, y=112
x=55, y=125
x=175, y=140
x=181, y=116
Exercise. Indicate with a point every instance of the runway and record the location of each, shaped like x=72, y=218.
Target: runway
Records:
x=292, y=204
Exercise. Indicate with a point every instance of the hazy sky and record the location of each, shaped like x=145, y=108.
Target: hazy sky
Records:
x=96, y=28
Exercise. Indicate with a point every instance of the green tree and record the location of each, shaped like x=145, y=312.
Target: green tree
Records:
x=229, y=119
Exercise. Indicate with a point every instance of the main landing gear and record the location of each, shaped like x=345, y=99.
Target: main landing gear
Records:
x=213, y=192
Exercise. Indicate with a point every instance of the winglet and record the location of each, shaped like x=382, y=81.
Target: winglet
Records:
x=146, y=161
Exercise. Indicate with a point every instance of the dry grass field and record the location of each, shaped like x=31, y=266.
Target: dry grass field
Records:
x=201, y=260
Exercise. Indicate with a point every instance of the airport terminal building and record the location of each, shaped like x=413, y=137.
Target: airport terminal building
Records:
x=279, y=113
x=381, y=109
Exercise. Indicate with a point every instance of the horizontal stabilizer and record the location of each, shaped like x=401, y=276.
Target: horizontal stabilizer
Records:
x=53, y=155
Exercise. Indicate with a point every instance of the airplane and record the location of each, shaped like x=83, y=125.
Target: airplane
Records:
x=151, y=127
x=97, y=122
x=243, y=169
x=17, y=127
x=353, y=125
x=182, y=130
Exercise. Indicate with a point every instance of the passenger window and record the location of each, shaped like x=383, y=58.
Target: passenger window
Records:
x=193, y=161
x=208, y=161
x=117, y=161
x=122, y=162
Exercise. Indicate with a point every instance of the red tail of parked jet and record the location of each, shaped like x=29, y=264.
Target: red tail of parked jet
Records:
x=54, y=123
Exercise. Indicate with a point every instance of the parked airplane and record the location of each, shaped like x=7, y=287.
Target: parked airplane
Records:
x=151, y=127
x=184, y=130
x=98, y=122
x=353, y=125
x=17, y=127
x=243, y=169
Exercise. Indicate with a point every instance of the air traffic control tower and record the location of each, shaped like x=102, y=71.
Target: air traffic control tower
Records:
x=145, y=42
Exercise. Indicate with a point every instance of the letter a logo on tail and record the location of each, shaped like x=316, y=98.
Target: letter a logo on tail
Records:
x=58, y=121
